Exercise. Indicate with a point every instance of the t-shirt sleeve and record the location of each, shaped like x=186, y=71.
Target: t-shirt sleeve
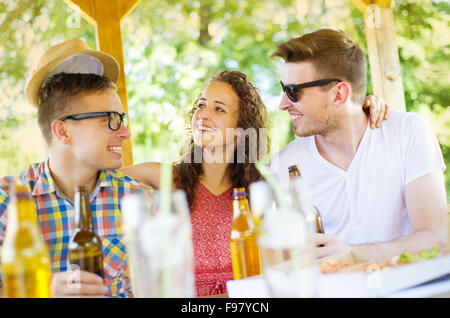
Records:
x=274, y=166
x=422, y=151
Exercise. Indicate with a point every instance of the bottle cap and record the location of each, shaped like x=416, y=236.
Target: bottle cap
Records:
x=294, y=167
x=238, y=192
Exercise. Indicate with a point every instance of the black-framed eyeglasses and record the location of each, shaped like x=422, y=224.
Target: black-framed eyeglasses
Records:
x=292, y=90
x=115, y=119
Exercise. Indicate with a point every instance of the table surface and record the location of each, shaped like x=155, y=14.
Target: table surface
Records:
x=438, y=288
x=430, y=278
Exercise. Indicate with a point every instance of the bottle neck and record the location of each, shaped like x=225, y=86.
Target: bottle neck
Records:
x=240, y=204
x=83, y=220
x=294, y=174
x=22, y=209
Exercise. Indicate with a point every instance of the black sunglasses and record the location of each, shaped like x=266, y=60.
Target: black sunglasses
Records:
x=114, y=118
x=292, y=90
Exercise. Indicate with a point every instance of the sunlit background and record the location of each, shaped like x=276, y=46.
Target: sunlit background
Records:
x=172, y=47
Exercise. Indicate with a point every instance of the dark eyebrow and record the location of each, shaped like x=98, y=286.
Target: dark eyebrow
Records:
x=219, y=102
x=216, y=101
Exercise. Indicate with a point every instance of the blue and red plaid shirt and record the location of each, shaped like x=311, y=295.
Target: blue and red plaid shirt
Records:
x=56, y=219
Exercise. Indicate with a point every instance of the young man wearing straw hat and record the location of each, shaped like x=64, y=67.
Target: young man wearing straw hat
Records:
x=380, y=192
x=84, y=125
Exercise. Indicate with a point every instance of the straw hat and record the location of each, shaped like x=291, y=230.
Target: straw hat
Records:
x=73, y=56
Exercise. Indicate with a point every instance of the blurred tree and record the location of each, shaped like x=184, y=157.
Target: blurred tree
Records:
x=172, y=47
x=422, y=29
x=28, y=28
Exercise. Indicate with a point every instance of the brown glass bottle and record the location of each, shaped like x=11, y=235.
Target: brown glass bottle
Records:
x=294, y=173
x=245, y=253
x=85, y=247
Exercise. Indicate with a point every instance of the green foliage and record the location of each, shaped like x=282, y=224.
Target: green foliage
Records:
x=172, y=47
x=422, y=29
x=23, y=40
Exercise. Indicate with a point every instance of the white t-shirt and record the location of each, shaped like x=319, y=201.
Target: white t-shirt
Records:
x=366, y=203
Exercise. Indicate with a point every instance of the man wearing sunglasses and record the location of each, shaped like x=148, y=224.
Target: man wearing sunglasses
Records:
x=380, y=192
x=83, y=124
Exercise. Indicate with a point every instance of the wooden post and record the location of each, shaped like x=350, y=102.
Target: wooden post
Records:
x=448, y=220
x=383, y=52
x=105, y=16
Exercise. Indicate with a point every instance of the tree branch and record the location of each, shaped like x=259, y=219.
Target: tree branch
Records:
x=205, y=17
x=21, y=8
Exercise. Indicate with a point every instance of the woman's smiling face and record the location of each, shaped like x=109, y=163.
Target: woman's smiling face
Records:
x=217, y=109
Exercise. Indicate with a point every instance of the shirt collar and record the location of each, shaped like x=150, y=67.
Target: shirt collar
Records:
x=44, y=181
x=104, y=181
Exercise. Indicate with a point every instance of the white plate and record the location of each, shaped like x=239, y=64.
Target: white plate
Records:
x=381, y=283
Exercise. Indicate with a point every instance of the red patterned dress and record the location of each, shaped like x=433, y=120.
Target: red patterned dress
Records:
x=211, y=224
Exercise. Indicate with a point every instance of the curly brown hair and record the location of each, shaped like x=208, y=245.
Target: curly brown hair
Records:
x=252, y=114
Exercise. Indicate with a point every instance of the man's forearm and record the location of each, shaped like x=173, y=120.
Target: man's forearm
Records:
x=413, y=243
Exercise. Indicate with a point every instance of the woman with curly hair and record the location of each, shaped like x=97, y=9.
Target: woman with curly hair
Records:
x=228, y=135
x=213, y=166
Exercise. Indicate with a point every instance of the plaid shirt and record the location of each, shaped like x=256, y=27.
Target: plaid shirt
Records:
x=56, y=219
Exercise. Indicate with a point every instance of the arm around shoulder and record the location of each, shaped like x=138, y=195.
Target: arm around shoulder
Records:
x=148, y=173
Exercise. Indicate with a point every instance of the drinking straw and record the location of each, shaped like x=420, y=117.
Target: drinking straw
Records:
x=164, y=209
x=274, y=183
x=166, y=185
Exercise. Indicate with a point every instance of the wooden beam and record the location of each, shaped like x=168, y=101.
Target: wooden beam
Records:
x=109, y=40
x=84, y=7
x=106, y=15
x=126, y=6
x=87, y=8
x=384, y=4
x=382, y=50
x=383, y=56
x=448, y=221
x=362, y=5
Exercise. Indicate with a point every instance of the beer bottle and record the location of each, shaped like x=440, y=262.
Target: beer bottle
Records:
x=245, y=254
x=25, y=256
x=85, y=247
x=295, y=173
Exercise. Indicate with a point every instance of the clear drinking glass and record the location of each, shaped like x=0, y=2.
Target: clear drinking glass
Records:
x=287, y=255
x=159, y=247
